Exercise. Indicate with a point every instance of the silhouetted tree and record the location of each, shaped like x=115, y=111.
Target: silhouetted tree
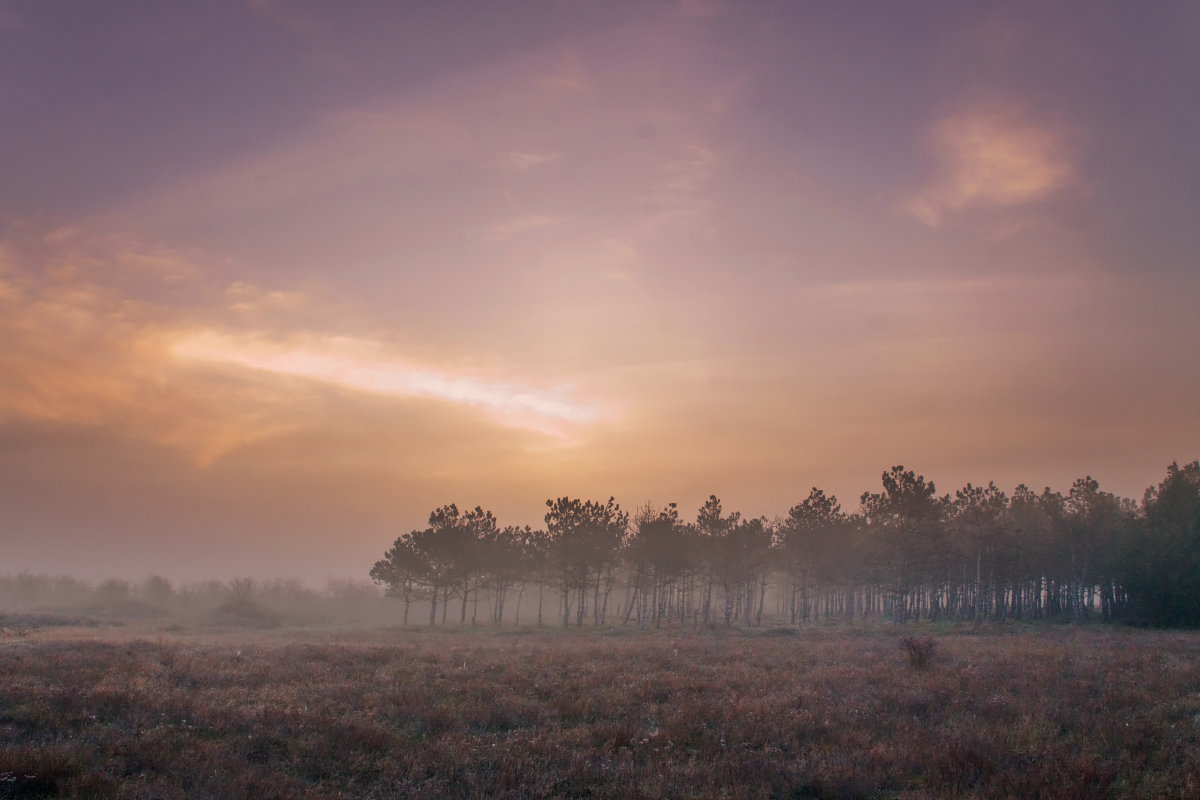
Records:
x=406, y=574
x=718, y=555
x=535, y=555
x=813, y=540
x=659, y=557
x=585, y=538
x=114, y=591
x=976, y=554
x=157, y=590
x=737, y=552
x=449, y=545
x=242, y=589
x=481, y=543
x=1093, y=521
x=506, y=565
x=445, y=558
x=907, y=522
x=1033, y=550
x=977, y=518
x=1160, y=552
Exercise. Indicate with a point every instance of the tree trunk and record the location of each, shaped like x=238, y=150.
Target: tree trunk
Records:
x=978, y=583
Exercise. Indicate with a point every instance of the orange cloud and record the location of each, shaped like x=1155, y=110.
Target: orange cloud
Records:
x=991, y=159
x=366, y=366
x=246, y=298
x=77, y=350
x=81, y=345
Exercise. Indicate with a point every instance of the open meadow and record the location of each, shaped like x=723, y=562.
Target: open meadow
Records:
x=1022, y=711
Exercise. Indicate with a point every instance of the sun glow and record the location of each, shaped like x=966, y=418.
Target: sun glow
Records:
x=365, y=366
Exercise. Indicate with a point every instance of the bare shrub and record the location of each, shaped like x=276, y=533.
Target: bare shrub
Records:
x=157, y=591
x=242, y=589
x=919, y=649
x=113, y=591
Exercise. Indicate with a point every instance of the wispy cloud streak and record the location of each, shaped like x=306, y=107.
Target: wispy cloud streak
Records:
x=362, y=366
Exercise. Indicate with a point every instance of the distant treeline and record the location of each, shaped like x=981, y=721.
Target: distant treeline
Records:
x=116, y=598
x=908, y=553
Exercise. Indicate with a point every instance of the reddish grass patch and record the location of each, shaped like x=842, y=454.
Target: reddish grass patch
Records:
x=1049, y=712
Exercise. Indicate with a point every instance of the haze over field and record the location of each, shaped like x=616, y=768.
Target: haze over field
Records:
x=279, y=277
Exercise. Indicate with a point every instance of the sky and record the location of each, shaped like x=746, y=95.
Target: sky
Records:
x=279, y=277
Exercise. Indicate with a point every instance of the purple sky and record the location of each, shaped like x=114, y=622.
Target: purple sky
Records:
x=279, y=277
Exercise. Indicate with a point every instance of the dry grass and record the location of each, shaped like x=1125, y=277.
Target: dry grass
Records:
x=1045, y=712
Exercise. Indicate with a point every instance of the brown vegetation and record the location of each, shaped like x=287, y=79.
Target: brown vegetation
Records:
x=1049, y=712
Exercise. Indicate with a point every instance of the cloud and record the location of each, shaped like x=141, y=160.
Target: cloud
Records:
x=366, y=366
x=519, y=162
x=8, y=290
x=84, y=343
x=991, y=159
x=247, y=298
x=60, y=235
x=89, y=338
x=503, y=231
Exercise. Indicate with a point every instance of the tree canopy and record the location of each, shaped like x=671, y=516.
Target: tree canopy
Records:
x=977, y=553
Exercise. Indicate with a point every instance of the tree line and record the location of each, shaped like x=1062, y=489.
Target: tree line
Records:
x=906, y=553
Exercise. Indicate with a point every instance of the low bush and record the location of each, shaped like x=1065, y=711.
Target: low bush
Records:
x=919, y=649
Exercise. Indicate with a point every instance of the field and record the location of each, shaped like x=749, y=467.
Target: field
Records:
x=1003, y=711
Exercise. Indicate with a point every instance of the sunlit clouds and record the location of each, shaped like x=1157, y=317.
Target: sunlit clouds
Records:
x=387, y=256
x=991, y=158
x=361, y=366
x=81, y=350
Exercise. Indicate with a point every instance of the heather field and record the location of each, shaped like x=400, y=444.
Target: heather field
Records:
x=1053, y=711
